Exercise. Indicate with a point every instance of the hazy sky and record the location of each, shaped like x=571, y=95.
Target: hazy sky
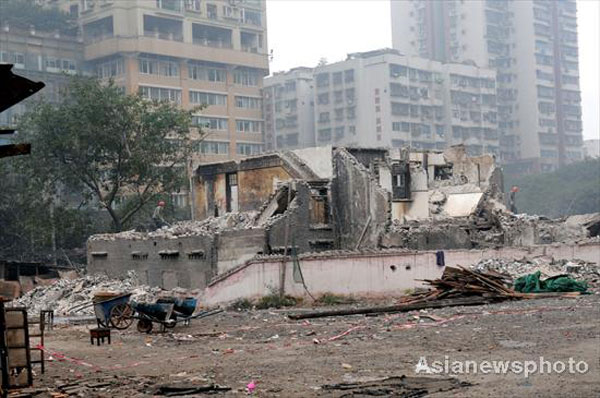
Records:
x=303, y=31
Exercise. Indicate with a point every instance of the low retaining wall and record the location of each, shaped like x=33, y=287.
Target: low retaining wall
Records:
x=374, y=274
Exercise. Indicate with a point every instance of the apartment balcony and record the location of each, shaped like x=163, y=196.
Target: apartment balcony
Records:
x=177, y=49
x=164, y=35
x=206, y=42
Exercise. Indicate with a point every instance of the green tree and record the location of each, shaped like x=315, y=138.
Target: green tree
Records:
x=109, y=146
x=572, y=189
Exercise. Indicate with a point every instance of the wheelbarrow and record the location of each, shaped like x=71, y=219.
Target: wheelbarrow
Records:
x=114, y=311
x=168, y=312
x=147, y=314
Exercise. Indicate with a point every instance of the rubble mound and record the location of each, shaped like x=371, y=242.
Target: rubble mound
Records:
x=182, y=229
x=72, y=296
x=577, y=269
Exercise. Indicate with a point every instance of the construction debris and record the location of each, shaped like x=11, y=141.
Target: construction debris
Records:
x=209, y=226
x=456, y=287
x=73, y=297
x=403, y=386
x=178, y=390
x=578, y=269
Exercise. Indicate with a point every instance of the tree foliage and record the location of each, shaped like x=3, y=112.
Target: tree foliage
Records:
x=573, y=189
x=27, y=13
x=107, y=145
x=33, y=225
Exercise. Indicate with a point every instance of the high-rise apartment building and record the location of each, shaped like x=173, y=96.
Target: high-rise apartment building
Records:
x=384, y=99
x=289, y=109
x=50, y=57
x=533, y=47
x=190, y=52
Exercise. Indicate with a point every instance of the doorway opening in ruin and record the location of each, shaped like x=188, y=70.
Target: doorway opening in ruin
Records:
x=231, y=192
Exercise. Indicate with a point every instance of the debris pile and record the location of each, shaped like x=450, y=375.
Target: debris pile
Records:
x=74, y=297
x=457, y=287
x=461, y=282
x=209, y=226
x=577, y=269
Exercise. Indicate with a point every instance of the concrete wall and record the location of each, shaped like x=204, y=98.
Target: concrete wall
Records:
x=255, y=186
x=360, y=205
x=115, y=258
x=302, y=235
x=380, y=274
x=236, y=247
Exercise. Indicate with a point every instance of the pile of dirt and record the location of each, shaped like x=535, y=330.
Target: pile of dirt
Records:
x=209, y=226
x=74, y=296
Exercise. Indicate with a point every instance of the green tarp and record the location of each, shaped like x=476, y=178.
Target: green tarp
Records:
x=561, y=283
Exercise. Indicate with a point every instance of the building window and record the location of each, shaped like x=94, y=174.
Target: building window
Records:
x=399, y=109
x=214, y=148
x=349, y=76
x=337, y=78
x=113, y=67
x=338, y=96
x=400, y=181
x=212, y=123
x=545, y=92
x=247, y=102
x=324, y=135
x=171, y=5
x=198, y=97
x=153, y=66
x=248, y=126
x=322, y=79
x=323, y=99
x=161, y=94
x=324, y=117
x=246, y=77
x=249, y=149
x=207, y=73
x=290, y=86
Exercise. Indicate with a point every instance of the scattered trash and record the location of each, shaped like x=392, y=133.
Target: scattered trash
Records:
x=250, y=387
x=402, y=386
x=178, y=390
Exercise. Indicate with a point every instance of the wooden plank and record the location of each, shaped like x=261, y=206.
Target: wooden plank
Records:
x=15, y=338
x=14, y=319
x=17, y=357
x=19, y=380
x=399, y=308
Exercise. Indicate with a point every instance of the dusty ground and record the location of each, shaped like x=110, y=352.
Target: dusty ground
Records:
x=296, y=358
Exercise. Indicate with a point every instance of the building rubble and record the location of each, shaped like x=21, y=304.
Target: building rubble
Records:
x=183, y=229
x=332, y=200
x=577, y=269
x=71, y=297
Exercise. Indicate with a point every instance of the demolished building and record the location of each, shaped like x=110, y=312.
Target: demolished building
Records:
x=328, y=200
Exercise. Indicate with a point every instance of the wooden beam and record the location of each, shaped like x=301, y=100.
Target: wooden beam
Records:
x=14, y=150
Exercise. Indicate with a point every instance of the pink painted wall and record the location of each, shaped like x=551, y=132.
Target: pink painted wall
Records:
x=376, y=274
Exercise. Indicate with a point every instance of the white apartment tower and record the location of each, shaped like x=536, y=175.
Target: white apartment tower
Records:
x=533, y=47
x=289, y=109
x=383, y=99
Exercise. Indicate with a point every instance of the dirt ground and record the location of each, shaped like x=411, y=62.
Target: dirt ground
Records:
x=286, y=358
